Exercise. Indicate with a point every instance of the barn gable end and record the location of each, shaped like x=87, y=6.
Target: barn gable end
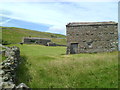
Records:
x=90, y=37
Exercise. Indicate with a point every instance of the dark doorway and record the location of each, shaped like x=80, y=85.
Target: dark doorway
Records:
x=74, y=48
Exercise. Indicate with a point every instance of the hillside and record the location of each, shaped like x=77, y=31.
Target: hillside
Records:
x=15, y=35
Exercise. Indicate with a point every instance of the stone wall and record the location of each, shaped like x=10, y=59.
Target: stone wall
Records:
x=8, y=68
x=54, y=44
x=35, y=40
x=92, y=37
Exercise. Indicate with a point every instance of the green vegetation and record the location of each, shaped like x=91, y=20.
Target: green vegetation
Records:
x=44, y=67
x=3, y=58
x=5, y=42
x=0, y=58
x=50, y=67
x=15, y=35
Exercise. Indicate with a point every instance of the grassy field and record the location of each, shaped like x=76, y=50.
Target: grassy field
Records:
x=49, y=67
x=15, y=35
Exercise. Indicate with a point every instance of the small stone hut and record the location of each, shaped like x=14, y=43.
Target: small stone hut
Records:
x=36, y=40
x=91, y=37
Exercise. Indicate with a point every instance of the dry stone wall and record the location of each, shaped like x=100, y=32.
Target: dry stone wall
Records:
x=8, y=69
x=35, y=40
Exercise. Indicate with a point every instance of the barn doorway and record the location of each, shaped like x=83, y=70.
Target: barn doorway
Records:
x=74, y=48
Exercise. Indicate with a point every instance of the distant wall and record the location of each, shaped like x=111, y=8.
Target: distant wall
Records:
x=8, y=68
x=93, y=38
x=35, y=41
x=41, y=41
x=54, y=44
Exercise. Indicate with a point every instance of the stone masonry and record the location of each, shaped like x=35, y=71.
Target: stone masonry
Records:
x=91, y=37
x=8, y=69
x=35, y=40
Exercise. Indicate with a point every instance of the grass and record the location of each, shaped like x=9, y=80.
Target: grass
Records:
x=0, y=54
x=15, y=35
x=3, y=58
x=49, y=67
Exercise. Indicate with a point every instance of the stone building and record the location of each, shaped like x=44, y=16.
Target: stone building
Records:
x=91, y=37
x=35, y=40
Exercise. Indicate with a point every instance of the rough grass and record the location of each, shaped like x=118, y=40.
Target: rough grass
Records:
x=49, y=67
x=0, y=54
x=1, y=58
x=15, y=35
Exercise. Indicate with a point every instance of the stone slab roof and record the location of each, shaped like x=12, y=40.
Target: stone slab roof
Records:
x=89, y=23
x=36, y=38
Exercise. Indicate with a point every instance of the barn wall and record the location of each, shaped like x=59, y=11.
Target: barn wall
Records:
x=35, y=41
x=93, y=38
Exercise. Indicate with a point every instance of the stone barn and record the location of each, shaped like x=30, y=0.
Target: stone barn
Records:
x=35, y=40
x=91, y=37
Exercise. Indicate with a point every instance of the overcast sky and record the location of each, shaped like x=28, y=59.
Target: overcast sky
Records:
x=53, y=16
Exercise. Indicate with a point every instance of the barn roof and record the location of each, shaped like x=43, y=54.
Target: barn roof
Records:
x=89, y=23
x=36, y=38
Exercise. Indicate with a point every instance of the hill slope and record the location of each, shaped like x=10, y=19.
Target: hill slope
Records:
x=15, y=35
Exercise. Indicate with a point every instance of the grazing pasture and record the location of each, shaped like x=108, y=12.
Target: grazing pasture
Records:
x=50, y=67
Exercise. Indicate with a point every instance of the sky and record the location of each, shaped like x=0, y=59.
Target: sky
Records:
x=53, y=16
